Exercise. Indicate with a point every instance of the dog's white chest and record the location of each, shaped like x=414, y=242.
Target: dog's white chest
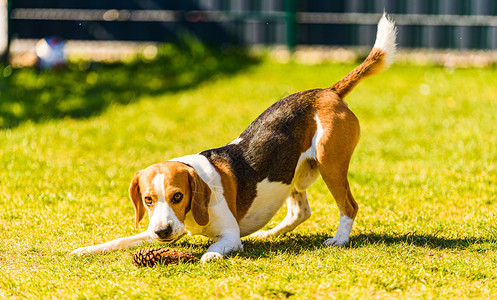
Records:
x=270, y=197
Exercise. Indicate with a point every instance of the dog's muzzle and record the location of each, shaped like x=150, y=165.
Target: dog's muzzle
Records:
x=164, y=233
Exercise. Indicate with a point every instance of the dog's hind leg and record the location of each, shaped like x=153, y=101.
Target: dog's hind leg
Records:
x=335, y=177
x=348, y=210
x=298, y=212
x=333, y=153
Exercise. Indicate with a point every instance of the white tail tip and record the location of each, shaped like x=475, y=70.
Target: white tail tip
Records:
x=385, y=38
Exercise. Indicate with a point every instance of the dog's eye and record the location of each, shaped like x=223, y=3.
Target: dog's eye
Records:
x=177, y=197
x=149, y=201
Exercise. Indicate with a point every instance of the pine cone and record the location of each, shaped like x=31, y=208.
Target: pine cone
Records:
x=148, y=257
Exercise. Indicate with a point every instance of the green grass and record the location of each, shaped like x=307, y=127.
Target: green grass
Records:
x=424, y=175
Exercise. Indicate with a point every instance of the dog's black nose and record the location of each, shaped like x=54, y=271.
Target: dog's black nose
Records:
x=164, y=232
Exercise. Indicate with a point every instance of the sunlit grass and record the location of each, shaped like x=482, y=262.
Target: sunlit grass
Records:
x=424, y=175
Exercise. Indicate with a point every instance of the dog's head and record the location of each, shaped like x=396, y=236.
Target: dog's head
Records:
x=168, y=191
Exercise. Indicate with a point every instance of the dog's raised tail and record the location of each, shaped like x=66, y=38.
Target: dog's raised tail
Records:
x=380, y=57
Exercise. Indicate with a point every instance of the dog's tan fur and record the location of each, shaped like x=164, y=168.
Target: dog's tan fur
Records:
x=373, y=64
x=229, y=190
x=335, y=148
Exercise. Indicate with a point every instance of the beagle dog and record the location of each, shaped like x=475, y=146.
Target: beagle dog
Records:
x=230, y=192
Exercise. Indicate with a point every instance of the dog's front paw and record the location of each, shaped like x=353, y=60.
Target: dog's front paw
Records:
x=210, y=256
x=90, y=249
x=262, y=234
x=337, y=241
x=83, y=251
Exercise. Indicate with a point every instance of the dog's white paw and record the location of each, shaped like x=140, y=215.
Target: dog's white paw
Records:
x=336, y=241
x=341, y=238
x=262, y=234
x=90, y=249
x=210, y=256
x=83, y=251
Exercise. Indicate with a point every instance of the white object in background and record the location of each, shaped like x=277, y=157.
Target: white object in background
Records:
x=50, y=52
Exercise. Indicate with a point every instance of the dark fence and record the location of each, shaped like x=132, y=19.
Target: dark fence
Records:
x=457, y=24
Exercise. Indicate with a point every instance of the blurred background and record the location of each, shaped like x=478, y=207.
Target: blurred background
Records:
x=186, y=42
x=433, y=24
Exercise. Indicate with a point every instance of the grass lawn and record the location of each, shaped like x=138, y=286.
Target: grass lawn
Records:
x=424, y=175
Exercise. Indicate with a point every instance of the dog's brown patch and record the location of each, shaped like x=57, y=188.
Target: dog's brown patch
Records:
x=229, y=189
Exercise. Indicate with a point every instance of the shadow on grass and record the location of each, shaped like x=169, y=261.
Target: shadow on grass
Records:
x=84, y=90
x=293, y=243
x=299, y=244
x=419, y=240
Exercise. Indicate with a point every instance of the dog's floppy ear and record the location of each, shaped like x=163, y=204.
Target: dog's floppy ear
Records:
x=136, y=198
x=200, y=196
